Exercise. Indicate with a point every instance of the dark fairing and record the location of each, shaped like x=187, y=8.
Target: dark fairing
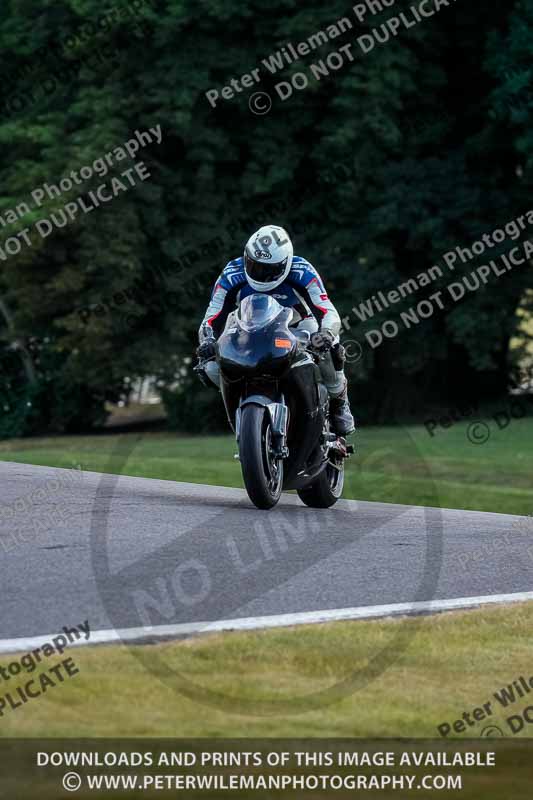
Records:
x=265, y=359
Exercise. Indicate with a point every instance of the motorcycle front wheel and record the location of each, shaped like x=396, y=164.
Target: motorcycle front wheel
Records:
x=261, y=471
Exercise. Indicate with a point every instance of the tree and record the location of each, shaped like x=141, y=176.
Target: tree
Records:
x=377, y=170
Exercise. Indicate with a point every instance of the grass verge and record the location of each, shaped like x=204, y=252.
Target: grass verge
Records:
x=393, y=464
x=453, y=663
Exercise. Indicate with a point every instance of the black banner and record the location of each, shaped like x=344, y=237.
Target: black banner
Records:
x=51, y=769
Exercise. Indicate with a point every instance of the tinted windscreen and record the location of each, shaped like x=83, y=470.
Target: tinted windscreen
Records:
x=258, y=310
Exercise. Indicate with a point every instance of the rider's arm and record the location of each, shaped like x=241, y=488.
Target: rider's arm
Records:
x=312, y=289
x=222, y=303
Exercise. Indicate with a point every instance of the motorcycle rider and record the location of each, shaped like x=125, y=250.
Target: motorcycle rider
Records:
x=269, y=265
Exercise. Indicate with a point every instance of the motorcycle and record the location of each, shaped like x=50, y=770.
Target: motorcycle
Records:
x=278, y=407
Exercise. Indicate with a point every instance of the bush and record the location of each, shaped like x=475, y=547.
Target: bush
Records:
x=193, y=408
x=51, y=403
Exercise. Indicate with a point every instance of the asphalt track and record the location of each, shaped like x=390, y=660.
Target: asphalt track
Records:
x=130, y=553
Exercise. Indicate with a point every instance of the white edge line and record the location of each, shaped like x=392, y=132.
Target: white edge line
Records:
x=276, y=621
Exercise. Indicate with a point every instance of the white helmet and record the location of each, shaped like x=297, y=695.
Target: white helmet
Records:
x=268, y=258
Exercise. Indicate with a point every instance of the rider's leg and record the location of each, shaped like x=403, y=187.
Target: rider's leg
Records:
x=332, y=371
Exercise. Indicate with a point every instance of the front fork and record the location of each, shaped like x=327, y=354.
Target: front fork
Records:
x=279, y=421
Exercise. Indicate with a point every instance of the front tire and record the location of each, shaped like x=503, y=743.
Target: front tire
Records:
x=262, y=474
x=325, y=490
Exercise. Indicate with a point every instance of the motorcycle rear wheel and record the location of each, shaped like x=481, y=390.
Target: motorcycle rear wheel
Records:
x=325, y=490
x=262, y=473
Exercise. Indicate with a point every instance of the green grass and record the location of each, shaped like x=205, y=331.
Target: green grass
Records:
x=454, y=663
x=268, y=682
x=393, y=464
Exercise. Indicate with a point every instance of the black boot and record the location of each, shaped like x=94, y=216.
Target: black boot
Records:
x=340, y=415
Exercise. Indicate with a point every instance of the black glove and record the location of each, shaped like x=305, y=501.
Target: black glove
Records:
x=322, y=341
x=207, y=350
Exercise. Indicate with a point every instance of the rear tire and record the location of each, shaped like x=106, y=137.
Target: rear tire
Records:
x=325, y=490
x=263, y=476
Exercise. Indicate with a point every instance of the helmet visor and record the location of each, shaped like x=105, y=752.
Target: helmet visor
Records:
x=263, y=271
